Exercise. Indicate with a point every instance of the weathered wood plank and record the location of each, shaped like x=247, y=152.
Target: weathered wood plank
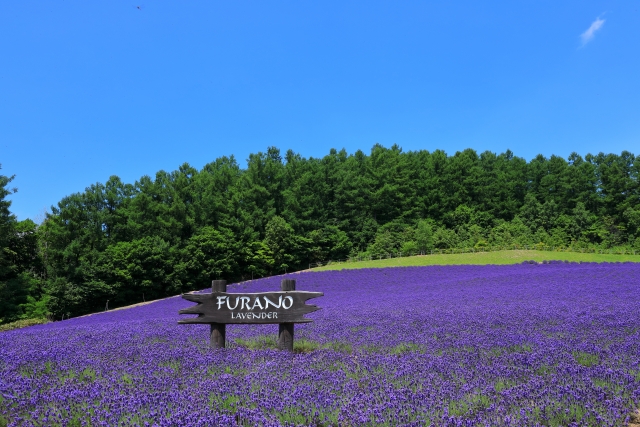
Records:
x=263, y=307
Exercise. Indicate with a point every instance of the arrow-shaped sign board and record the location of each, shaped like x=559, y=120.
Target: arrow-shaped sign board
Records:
x=264, y=307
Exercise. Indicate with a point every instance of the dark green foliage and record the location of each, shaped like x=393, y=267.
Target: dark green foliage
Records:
x=20, y=264
x=280, y=240
x=12, y=291
x=177, y=231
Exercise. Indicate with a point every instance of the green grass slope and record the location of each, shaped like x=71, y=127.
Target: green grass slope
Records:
x=497, y=257
x=22, y=324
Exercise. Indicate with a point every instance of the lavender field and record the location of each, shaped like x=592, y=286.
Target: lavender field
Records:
x=555, y=344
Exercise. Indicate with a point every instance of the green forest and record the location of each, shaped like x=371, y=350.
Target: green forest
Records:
x=175, y=232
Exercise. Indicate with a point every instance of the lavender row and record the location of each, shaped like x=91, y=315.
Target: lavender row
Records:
x=524, y=345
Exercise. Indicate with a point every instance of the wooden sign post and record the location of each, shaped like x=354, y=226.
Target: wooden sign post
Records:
x=218, y=330
x=285, y=330
x=218, y=308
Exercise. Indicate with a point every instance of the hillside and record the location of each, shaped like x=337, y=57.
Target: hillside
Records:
x=120, y=243
x=481, y=258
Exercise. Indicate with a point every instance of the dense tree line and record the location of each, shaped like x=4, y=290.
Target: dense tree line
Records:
x=175, y=232
x=21, y=282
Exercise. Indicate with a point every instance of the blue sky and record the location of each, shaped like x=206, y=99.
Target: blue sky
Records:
x=90, y=89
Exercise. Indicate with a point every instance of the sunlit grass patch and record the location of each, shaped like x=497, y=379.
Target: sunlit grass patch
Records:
x=339, y=346
x=559, y=415
x=611, y=386
x=227, y=402
x=474, y=402
x=503, y=384
x=304, y=345
x=300, y=345
x=174, y=365
x=544, y=370
x=585, y=359
x=292, y=415
x=22, y=324
x=258, y=342
x=404, y=347
x=481, y=258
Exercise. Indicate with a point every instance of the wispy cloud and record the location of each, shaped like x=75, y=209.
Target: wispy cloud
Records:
x=588, y=35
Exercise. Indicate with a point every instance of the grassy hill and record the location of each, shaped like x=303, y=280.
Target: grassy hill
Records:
x=497, y=257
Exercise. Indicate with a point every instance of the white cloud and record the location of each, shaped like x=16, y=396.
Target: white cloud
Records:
x=588, y=35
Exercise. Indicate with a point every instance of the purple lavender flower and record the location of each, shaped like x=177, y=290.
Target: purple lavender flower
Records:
x=522, y=345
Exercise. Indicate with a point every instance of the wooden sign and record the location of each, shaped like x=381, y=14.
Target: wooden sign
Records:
x=218, y=308
x=265, y=307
